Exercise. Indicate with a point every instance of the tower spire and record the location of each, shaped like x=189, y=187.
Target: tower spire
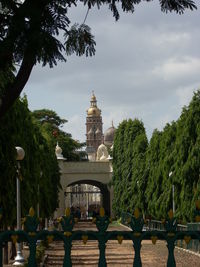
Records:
x=94, y=125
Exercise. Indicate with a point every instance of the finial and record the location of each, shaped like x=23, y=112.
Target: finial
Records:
x=58, y=152
x=112, y=124
x=93, y=92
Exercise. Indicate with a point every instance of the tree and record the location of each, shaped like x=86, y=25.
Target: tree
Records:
x=51, y=127
x=186, y=168
x=139, y=175
x=118, y=160
x=159, y=163
x=29, y=32
x=141, y=170
x=39, y=167
x=129, y=148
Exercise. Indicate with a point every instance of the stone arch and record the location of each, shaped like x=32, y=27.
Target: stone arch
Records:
x=104, y=191
x=94, y=173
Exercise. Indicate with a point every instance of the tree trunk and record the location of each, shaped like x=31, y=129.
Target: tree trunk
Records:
x=13, y=89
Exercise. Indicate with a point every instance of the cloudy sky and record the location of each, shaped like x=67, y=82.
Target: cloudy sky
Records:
x=146, y=66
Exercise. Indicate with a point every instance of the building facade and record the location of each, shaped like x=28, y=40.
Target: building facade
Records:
x=94, y=127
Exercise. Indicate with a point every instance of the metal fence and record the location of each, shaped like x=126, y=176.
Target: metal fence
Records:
x=193, y=245
x=137, y=234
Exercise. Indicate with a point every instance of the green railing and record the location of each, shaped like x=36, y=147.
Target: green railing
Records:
x=67, y=235
x=193, y=245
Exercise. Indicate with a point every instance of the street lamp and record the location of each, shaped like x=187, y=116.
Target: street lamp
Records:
x=173, y=202
x=19, y=259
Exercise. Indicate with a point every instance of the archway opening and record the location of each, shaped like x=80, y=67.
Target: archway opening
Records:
x=86, y=197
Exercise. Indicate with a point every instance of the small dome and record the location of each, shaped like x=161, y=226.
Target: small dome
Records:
x=109, y=136
x=58, y=149
x=102, y=153
x=93, y=111
x=58, y=152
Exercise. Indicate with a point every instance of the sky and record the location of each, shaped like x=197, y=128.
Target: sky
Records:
x=146, y=66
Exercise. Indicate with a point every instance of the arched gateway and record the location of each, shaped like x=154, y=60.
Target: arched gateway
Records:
x=85, y=172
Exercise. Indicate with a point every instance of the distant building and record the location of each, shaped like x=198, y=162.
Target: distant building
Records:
x=86, y=197
x=94, y=128
x=96, y=142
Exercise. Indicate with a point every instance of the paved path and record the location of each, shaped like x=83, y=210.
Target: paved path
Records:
x=117, y=255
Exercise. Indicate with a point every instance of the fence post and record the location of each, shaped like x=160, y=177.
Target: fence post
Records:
x=32, y=256
x=102, y=248
x=67, y=246
x=171, y=259
x=137, y=247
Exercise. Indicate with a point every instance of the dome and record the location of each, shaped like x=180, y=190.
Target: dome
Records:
x=58, y=149
x=58, y=152
x=109, y=136
x=93, y=111
x=102, y=153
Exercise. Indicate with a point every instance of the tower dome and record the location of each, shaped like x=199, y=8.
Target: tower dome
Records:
x=93, y=110
x=109, y=135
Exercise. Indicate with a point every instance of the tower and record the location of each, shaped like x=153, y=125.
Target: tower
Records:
x=94, y=126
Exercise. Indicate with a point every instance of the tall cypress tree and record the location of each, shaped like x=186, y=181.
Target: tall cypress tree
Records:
x=123, y=156
x=187, y=158
x=118, y=160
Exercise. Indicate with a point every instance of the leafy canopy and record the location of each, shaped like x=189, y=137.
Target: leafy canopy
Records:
x=51, y=127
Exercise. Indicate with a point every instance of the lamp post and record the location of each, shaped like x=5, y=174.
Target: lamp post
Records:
x=19, y=259
x=173, y=202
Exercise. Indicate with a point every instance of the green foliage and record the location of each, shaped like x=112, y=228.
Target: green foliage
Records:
x=126, y=178
x=39, y=167
x=142, y=171
x=186, y=175
x=50, y=125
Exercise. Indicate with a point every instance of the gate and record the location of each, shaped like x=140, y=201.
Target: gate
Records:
x=136, y=222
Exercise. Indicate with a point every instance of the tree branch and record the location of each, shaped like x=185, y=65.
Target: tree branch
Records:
x=13, y=89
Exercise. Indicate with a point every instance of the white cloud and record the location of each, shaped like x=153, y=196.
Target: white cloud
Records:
x=176, y=68
x=171, y=39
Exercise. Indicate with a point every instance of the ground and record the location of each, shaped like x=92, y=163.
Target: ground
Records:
x=118, y=255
